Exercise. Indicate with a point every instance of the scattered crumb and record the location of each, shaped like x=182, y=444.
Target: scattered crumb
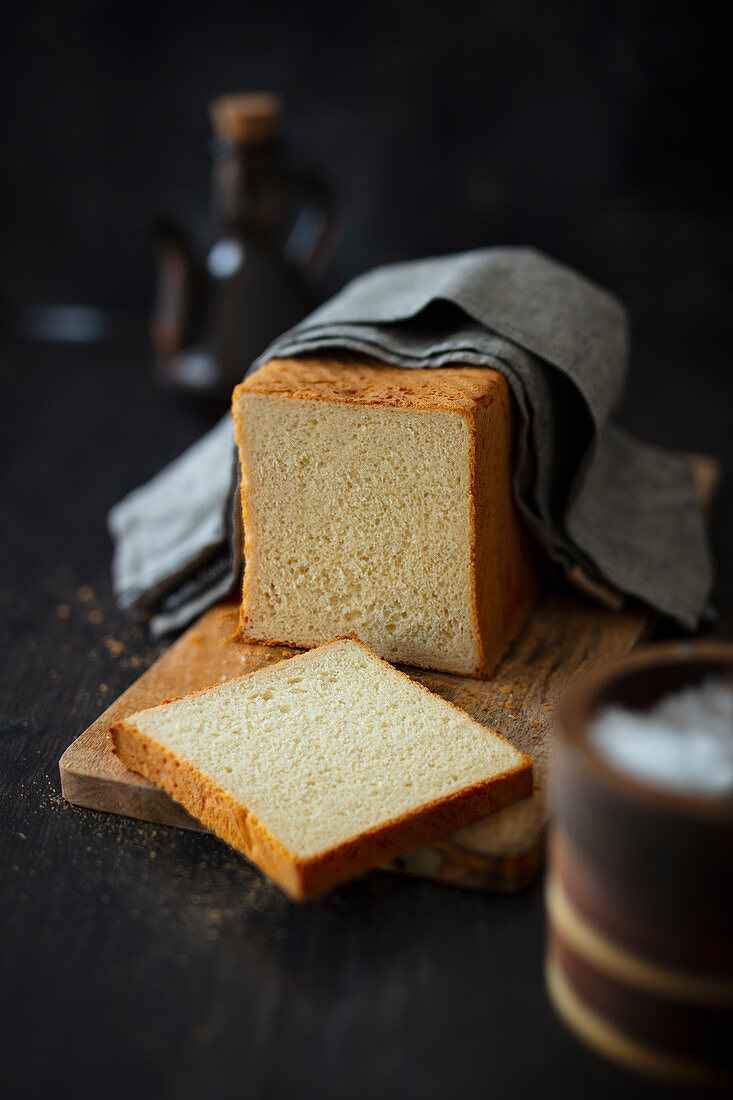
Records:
x=63, y=611
x=104, y=688
x=94, y=616
x=86, y=593
x=114, y=645
x=533, y=723
x=514, y=717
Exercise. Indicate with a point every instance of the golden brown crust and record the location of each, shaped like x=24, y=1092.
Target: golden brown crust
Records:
x=426, y=823
x=361, y=381
x=505, y=572
x=305, y=878
x=206, y=801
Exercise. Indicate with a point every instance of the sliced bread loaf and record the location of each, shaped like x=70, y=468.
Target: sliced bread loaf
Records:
x=378, y=501
x=324, y=765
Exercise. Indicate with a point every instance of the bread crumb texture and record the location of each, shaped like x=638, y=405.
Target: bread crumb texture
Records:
x=308, y=759
x=359, y=490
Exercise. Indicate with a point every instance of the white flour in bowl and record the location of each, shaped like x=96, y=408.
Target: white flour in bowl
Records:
x=682, y=743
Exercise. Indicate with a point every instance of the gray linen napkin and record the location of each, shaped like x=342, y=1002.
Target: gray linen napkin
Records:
x=615, y=515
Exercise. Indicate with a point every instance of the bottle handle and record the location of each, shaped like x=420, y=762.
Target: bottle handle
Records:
x=317, y=229
x=177, y=308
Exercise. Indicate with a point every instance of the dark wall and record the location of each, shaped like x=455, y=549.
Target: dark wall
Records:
x=594, y=130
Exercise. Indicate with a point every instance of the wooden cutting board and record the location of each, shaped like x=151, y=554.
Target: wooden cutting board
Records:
x=501, y=852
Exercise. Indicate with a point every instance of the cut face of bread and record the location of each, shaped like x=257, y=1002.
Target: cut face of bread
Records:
x=324, y=765
x=378, y=501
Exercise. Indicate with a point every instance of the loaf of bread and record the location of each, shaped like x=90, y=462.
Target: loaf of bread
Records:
x=377, y=501
x=323, y=766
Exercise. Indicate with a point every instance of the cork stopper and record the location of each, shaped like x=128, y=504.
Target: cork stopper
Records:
x=246, y=117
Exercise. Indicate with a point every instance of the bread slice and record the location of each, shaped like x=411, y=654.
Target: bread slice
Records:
x=324, y=765
x=377, y=501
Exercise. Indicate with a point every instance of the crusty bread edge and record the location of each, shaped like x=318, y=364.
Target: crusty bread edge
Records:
x=305, y=878
x=253, y=383
x=504, y=615
x=488, y=655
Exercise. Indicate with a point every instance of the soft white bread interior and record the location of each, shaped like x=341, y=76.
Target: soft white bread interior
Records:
x=325, y=765
x=378, y=501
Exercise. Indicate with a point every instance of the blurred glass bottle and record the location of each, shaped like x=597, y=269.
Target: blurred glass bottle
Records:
x=275, y=232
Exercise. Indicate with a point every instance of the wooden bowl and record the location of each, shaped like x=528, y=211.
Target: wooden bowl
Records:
x=640, y=891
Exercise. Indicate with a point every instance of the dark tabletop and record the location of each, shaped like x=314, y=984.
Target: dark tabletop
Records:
x=143, y=961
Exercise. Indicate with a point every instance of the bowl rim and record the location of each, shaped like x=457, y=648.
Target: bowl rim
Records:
x=581, y=700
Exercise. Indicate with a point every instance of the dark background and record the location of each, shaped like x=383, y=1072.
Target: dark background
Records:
x=151, y=962
x=595, y=131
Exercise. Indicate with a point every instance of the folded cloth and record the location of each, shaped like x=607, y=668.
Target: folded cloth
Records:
x=618, y=517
